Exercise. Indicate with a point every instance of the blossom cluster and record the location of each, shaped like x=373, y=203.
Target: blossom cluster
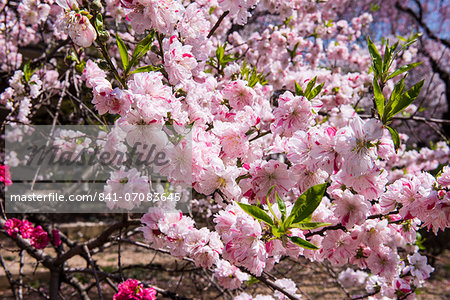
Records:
x=257, y=121
x=133, y=289
x=38, y=237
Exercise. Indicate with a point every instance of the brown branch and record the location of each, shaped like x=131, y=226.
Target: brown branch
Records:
x=94, y=269
x=421, y=23
x=23, y=244
x=96, y=242
x=274, y=286
x=415, y=118
x=11, y=281
x=211, y=32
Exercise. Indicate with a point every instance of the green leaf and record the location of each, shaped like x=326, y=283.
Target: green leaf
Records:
x=99, y=22
x=256, y=213
x=315, y=91
x=298, y=89
x=394, y=47
x=393, y=99
x=403, y=69
x=401, y=38
x=395, y=137
x=309, y=225
x=220, y=52
x=406, y=99
x=281, y=206
x=27, y=71
x=303, y=243
x=376, y=57
x=141, y=49
x=387, y=56
x=123, y=52
x=146, y=69
x=412, y=39
x=306, y=204
x=379, y=97
x=310, y=86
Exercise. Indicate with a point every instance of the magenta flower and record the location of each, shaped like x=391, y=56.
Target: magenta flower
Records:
x=12, y=227
x=133, y=289
x=56, y=237
x=39, y=238
x=5, y=175
x=26, y=229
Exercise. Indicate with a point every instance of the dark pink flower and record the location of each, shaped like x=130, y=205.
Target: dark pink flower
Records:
x=12, y=227
x=133, y=289
x=39, y=238
x=56, y=237
x=5, y=175
x=26, y=229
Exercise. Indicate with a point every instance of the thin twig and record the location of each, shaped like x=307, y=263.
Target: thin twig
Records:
x=20, y=283
x=94, y=268
x=8, y=276
x=415, y=118
x=211, y=32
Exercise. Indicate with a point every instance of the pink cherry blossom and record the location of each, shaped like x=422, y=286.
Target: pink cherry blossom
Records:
x=294, y=113
x=384, y=262
x=351, y=209
x=122, y=184
x=355, y=144
x=179, y=61
x=230, y=277
x=264, y=175
x=239, y=94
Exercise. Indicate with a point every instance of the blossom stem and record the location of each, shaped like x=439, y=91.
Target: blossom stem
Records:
x=106, y=56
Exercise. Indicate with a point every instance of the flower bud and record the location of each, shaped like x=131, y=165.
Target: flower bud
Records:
x=104, y=36
x=96, y=5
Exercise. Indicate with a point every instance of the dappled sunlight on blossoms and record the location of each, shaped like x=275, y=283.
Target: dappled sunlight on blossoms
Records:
x=287, y=136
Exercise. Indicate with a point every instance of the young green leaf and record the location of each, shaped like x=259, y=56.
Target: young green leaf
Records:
x=141, y=49
x=306, y=204
x=406, y=99
x=145, y=69
x=395, y=137
x=220, y=52
x=403, y=69
x=379, y=98
x=387, y=56
x=256, y=213
x=281, y=206
x=315, y=91
x=303, y=243
x=123, y=52
x=310, y=86
x=393, y=99
x=27, y=71
x=401, y=38
x=376, y=57
x=309, y=225
x=298, y=89
x=99, y=22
